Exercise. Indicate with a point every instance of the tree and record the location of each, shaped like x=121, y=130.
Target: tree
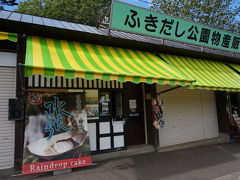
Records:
x=80, y=11
x=218, y=13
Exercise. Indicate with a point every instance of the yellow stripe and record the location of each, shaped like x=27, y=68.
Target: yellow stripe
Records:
x=96, y=59
x=218, y=73
x=183, y=68
x=69, y=56
x=101, y=60
x=112, y=51
x=37, y=56
x=3, y=35
x=162, y=64
x=200, y=68
x=209, y=74
x=229, y=72
x=140, y=61
x=109, y=60
x=55, y=59
x=132, y=63
x=196, y=70
x=157, y=62
x=80, y=74
x=81, y=54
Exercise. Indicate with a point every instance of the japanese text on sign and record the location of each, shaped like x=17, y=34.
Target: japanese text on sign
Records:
x=54, y=113
x=146, y=22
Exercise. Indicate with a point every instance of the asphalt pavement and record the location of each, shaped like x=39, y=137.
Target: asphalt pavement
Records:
x=202, y=163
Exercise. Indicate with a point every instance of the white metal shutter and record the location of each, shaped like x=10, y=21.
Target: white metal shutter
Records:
x=210, y=114
x=186, y=116
x=7, y=128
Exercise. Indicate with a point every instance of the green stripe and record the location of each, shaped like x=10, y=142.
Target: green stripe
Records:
x=121, y=78
x=231, y=73
x=89, y=57
x=235, y=66
x=161, y=81
x=209, y=74
x=200, y=66
x=12, y=37
x=149, y=81
x=212, y=68
x=106, y=77
x=29, y=57
x=215, y=66
x=125, y=61
x=136, y=63
x=103, y=60
x=88, y=75
x=107, y=51
x=148, y=64
x=165, y=70
x=69, y=73
x=47, y=61
x=176, y=63
x=224, y=73
x=204, y=78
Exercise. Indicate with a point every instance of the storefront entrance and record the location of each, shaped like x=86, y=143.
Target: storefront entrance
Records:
x=133, y=111
x=125, y=107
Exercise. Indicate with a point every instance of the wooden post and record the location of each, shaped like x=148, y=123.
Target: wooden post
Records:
x=19, y=124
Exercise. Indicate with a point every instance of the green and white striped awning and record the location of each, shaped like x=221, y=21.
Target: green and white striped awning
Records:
x=210, y=75
x=51, y=57
x=235, y=66
x=8, y=36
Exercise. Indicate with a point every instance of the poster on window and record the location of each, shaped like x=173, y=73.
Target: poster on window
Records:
x=56, y=132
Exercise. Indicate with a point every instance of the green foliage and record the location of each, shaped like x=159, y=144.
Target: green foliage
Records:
x=80, y=11
x=217, y=13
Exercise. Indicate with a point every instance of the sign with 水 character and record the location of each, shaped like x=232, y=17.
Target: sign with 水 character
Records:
x=56, y=132
x=143, y=21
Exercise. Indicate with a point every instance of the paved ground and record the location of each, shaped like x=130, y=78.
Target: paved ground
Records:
x=200, y=163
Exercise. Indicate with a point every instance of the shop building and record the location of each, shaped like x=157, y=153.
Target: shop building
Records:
x=8, y=63
x=119, y=74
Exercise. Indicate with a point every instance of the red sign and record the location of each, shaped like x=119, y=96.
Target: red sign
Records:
x=35, y=98
x=56, y=165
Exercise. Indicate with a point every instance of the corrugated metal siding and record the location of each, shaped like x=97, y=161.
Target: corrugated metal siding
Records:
x=7, y=130
x=186, y=116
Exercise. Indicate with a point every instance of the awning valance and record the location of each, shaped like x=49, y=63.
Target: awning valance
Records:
x=210, y=75
x=51, y=57
x=235, y=66
x=8, y=36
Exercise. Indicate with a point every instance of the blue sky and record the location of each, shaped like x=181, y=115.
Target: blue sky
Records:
x=141, y=3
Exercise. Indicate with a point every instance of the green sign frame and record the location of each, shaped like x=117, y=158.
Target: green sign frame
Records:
x=138, y=20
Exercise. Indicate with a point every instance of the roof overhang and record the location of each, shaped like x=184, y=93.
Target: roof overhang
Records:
x=24, y=24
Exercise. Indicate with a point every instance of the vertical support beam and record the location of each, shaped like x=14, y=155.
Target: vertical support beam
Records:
x=19, y=124
x=223, y=118
x=156, y=131
x=203, y=115
x=145, y=113
x=152, y=133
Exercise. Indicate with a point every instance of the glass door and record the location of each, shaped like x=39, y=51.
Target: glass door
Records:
x=111, y=122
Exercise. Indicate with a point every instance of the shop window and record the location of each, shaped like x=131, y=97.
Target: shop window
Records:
x=110, y=104
x=92, y=104
x=117, y=97
x=104, y=103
